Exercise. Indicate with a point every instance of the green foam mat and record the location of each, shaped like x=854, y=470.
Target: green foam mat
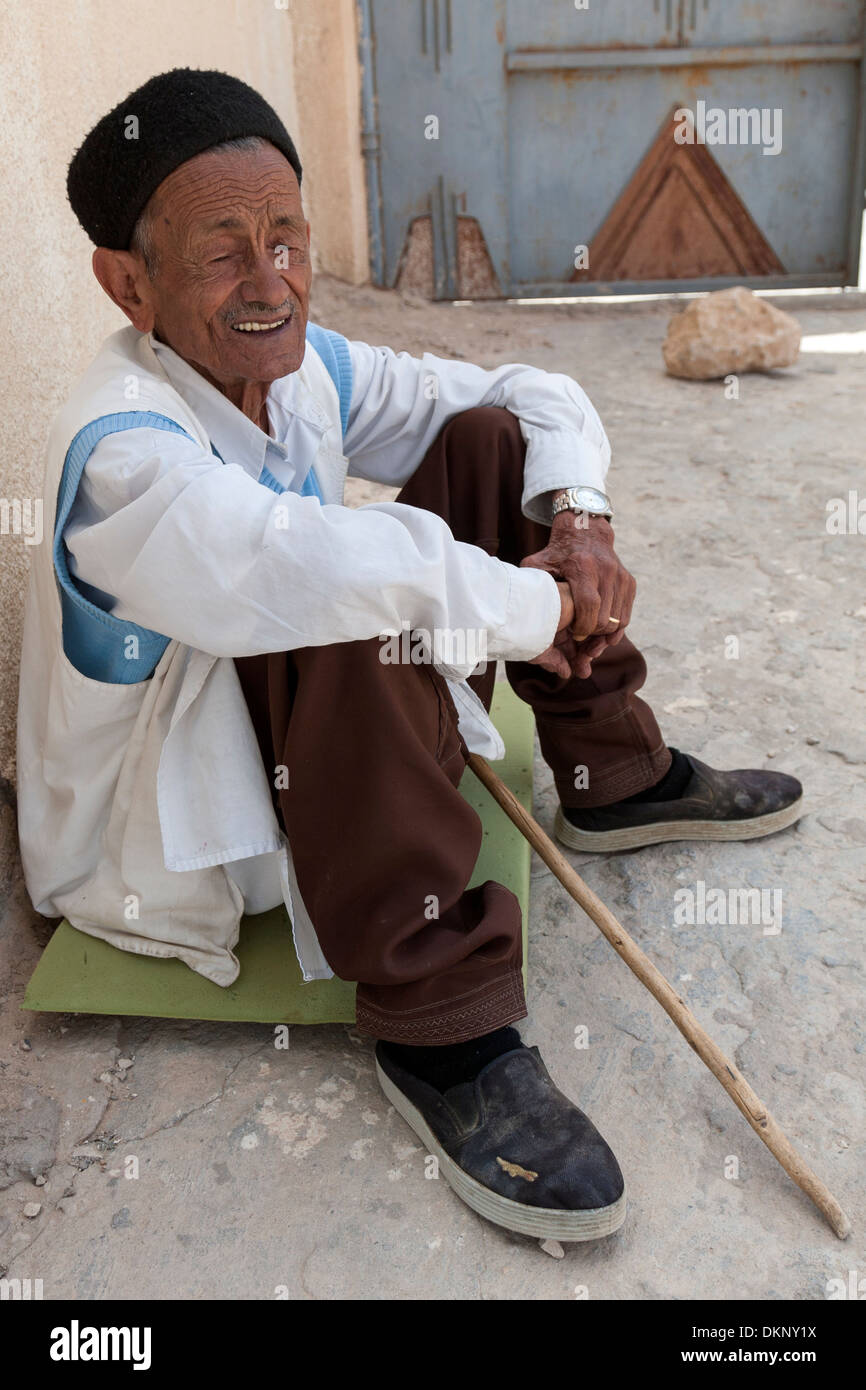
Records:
x=81, y=974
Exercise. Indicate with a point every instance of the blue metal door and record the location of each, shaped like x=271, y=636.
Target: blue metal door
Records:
x=504, y=136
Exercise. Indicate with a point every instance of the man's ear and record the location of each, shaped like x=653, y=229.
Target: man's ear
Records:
x=124, y=278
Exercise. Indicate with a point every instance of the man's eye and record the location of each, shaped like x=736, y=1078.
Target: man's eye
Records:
x=289, y=255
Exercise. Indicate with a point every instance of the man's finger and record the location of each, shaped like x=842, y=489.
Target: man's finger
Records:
x=624, y=600
x=630, y=592
x=586, y=603
x=586, y=653
x=595, y=646
x=556, y=662
x=621, y=604
x=606, y=596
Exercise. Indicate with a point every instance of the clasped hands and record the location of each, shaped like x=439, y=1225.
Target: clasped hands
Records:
x=596, y=592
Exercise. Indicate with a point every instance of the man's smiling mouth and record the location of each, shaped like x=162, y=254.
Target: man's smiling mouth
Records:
x=260, y=325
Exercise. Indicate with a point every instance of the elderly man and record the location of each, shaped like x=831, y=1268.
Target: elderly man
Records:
x=215, y=716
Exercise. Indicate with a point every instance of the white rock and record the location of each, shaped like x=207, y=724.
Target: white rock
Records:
x=552, y=1247
x=728, y=332
x=32, y=1209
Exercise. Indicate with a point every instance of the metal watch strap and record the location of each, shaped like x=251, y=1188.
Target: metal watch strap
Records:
x=567, y=501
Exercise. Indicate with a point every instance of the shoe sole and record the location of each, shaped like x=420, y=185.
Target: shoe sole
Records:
x=591, y=841
x=544, y=1223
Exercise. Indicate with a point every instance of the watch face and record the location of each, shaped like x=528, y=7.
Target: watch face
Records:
x=590, y=498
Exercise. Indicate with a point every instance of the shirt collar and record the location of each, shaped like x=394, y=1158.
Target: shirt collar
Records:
x=237, y=438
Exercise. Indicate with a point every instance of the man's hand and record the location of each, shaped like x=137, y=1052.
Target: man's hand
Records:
x=560, y=655
x=580, y=552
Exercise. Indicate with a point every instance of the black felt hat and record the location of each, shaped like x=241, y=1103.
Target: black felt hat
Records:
x=172, y=118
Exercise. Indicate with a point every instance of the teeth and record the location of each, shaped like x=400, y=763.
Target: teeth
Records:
x=258, y=327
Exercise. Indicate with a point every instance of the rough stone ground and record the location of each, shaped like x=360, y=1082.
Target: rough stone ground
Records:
x=261, y=1168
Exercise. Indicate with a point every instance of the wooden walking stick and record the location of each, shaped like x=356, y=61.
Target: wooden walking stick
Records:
x=723, y=1070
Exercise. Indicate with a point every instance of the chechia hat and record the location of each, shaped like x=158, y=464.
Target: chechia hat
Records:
x=170, y=119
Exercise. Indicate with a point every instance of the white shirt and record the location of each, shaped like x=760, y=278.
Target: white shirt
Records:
x=338, y=574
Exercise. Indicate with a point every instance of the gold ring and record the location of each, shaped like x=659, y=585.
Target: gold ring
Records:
x=614, y=620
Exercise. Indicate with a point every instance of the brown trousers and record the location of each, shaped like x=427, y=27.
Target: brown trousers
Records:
x=382, y=841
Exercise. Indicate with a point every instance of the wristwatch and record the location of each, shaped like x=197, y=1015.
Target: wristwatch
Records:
x=582, y=499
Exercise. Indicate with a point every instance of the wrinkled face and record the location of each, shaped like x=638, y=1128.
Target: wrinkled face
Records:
x=230, y=292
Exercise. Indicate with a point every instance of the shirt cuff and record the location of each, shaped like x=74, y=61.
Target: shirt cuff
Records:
x=557, y=460
x=533, y=611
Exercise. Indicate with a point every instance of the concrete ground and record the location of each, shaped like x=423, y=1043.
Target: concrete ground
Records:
x=265, y=1173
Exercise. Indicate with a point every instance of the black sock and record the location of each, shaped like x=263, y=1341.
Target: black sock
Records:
x=443, y=1067
x=668, y=788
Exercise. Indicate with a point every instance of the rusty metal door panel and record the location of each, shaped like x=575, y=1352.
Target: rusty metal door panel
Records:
x=770, y=21
x=603, y=24
x=441, y=60
x=546, y=111
x=799, y=197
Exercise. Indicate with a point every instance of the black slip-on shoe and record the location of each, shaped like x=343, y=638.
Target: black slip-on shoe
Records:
x=514, y=1148
x=741, y=805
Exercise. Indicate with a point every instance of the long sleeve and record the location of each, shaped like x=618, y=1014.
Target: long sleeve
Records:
x=399, y=404
x=172, y=539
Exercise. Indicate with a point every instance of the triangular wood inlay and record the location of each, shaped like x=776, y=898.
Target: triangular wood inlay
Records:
x=678, y=218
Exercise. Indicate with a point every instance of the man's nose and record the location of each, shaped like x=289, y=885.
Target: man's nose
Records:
x=263, y=281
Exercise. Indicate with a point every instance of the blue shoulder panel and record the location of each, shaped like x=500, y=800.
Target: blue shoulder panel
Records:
x=99, y=645
x=333, y=349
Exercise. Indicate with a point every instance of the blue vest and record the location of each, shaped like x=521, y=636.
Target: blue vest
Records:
x=103, y=647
